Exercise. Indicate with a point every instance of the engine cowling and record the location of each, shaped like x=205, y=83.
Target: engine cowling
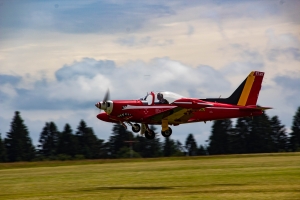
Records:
x=106, y=106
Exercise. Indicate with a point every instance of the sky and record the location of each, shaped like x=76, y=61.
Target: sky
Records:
x=58, y=58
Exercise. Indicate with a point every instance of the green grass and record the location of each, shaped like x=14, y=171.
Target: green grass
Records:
x=256, y=176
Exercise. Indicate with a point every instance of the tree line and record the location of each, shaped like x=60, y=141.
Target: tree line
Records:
x=260, y=134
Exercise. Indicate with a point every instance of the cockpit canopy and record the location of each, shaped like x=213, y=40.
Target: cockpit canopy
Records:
x=151, y=97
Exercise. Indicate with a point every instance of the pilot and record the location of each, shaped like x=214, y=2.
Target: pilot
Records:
x=161, y=99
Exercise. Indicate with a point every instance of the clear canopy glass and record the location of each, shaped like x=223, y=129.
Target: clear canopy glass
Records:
x=169, y=96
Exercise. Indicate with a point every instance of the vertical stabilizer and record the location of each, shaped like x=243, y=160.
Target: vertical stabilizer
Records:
x=250, y=92
x=247, y=92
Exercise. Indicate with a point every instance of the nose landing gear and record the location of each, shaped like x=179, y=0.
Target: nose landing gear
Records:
x=136, y=128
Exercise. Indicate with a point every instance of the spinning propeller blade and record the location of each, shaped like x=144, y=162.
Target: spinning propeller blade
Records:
x=107, y=96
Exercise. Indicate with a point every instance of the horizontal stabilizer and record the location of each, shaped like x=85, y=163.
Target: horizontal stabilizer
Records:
x=255, y=108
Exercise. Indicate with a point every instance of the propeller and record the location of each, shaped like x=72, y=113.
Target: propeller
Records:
x=107, y=96
x=102, y=105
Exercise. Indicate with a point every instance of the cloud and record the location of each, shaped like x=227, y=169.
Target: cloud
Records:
x=81, y=17
x=246, y=59
x=287, y=53
x=7, y=86
x=9, y=79
x=78, y=86
x=288, y=83
x=134, y=41
x=289, y=89
x=90, y=69
x=83, y=83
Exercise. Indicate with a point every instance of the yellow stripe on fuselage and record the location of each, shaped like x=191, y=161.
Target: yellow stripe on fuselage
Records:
x=246, y=91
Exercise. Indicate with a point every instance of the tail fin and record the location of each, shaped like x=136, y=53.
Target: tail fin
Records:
x=247, y=93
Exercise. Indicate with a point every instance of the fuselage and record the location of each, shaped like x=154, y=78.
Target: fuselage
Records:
x=137, y=111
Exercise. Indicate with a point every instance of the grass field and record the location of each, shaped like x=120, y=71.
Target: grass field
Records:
x=260, y=176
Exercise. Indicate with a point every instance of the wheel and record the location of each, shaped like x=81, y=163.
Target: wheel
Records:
x=167, y=133
x=136, y=128
x=149, y=134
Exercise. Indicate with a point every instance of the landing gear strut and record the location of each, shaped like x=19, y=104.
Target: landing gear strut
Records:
x=167, y=132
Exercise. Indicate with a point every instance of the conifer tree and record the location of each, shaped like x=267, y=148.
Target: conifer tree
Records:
x=168, y=147
x=17, y=142
x=218, y=141
x=67, y=142
x=2, y=150
x=48, y=140
x=260, y=137
x=171, y=148
x=238, y=137
x=88, y=144
x=295, y=134
x=201, y=150
x=279, y=135
x=148, y=148
x=117, y=139
x=191, y=145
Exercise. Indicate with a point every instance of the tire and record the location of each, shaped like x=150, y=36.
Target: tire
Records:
x=149, y=134
x=167, y=133
x=136, y=128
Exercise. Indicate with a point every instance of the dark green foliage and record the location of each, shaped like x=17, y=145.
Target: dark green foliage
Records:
x=67, y=142
x=191, y=145
x=148, y=148
x=259, y=139
x=171, y=148
x=257, y=135
x=48, y=140
x=201, y=151
x=117, y=139
x=127, y=152
x=278, y=136
x=238, y=138
x=88, y=144
x=250, y=135
x=295, y=134
x=3, y=157
x=219, y=139
x=17, y=142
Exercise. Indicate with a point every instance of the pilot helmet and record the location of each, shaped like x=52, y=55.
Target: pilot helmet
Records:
x=159, y=96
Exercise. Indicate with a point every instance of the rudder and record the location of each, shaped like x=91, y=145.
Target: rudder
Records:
x=251, y=89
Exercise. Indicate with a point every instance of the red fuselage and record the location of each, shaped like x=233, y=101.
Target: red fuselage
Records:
x=136, y=111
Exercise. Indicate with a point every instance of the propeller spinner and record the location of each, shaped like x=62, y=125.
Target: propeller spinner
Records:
x=106, y=104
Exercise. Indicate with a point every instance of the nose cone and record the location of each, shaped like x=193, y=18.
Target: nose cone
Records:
x=98, y=105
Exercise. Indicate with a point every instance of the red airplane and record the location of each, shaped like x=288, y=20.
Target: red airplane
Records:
x=168, y=108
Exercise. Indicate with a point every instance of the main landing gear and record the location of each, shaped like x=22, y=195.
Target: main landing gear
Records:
x=145, y=130
x=149, y=134
x=167, y=132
